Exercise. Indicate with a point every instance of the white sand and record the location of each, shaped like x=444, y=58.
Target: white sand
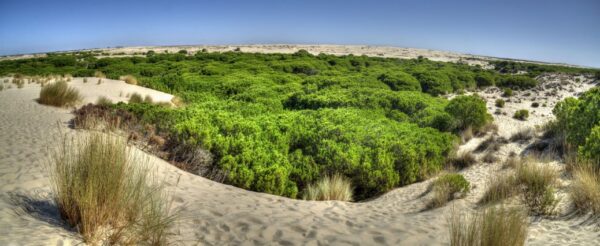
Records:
x=218, y=214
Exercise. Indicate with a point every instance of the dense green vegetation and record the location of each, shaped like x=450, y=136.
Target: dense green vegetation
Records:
x=278, y=122
x=533, y=69
x=579, y=121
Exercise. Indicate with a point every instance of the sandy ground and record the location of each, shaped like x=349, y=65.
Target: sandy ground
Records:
x=218, y=214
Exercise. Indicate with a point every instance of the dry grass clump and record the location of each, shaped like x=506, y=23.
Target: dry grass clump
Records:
x=106, y=192
x=336, y=187
x=1, y=87
x=105, y=101
x=491, y=227
x=148, y=99
x=523, y=135
x=490, y=157
x=99, y=74
x=512, y=162
x=499, y=187
x=129, y=79
x=585, y=189
x=491, y=144
x=84, y=80
x=136, y=98
x=463, y=160
x=177, y=101
x=59, y=94
x=446, y=188
x=538, y=182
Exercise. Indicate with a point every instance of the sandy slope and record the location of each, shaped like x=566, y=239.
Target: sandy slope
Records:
x=218, y=214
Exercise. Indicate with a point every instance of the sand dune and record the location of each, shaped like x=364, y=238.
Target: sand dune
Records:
x=217, y=214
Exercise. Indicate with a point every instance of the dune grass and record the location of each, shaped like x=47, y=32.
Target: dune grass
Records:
x=491, y=227
x=539, y=182
x=585, y=189
x=105, y=101
x=107, y=193
x=498, y=188
x=129, y=79
x=59, y=94
x=334, y=187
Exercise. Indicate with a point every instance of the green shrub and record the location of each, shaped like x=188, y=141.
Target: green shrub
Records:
x=484, y=79
x=591, y=149
x=468, y=111
x=507, y=92
x=59, y=94
x=446, y=187
x=500, y=103
x=400, y=81
x=516, y=82
x=535, y=104
x=521, y=114
x=578, y=120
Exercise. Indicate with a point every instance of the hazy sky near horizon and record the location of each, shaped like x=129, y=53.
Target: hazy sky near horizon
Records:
x=553, y=31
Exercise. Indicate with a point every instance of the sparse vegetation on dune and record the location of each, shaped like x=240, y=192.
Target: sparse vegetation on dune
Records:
x=448, y=187
x=334, y=187
x=521, y=114
x=59, y=94
x=129, y=79
x=107, y=193
x=499, y=188
x=539, y=184
x=491, y=227
x=585, y=189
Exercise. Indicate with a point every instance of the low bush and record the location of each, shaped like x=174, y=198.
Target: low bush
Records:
x=491, y=227
x=516, y=82
x=400, y=81
x=507, y=92
x=500, y=103
x=336, y=187
x=136, y=98
x=59, y=94
x=521, y=114
x=469, y=111
x=448, y=187
x=535, y=104
x=106, y=192
x=148, y=99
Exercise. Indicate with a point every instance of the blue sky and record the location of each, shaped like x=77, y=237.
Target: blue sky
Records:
x=554, y=31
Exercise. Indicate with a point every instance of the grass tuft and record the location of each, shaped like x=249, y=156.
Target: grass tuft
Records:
x=523, y=135
x=499, y=187
x=106, y=192
x=336, y=187
x=585, y=189
x=59, y=94
x=136, y=98
x=463, y=160
x=538, y=182
x=491, y=227
x=129, y=79
x=104, y=101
